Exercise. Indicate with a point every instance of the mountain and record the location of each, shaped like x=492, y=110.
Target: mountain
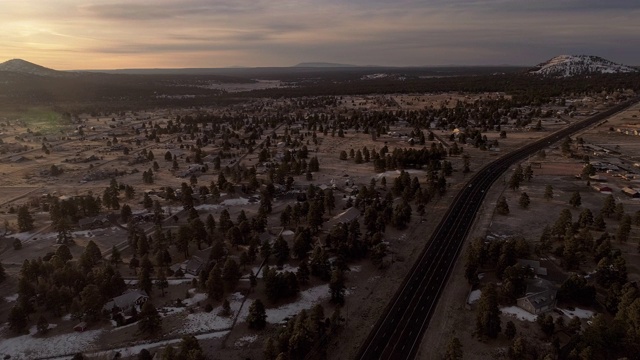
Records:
x=574, y=65
x=322, y=65
x=25, y=67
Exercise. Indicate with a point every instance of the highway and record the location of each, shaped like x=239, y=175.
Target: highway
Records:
x=398, y=333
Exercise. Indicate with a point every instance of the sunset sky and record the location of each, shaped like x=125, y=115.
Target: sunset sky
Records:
x=99, y=34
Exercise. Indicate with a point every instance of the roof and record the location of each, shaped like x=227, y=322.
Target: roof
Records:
x=535, y=265
x=125, y=300
x=344, y=217
x=541, y=299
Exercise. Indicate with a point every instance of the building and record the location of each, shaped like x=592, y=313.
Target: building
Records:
x=602, y=188
x=344, y=217
x=541, y=296
x=198, y=262
x=93, y=222
x=126, y=302
x=538, y=303
x=630, y=192
x=535, y=265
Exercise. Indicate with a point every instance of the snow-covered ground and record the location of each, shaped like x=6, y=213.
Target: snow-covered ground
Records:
x=211, y=321
x=245, y=340
x=474, y=296
x=285, y=267
x=11, y=298
x=307, y=300
x=236, y=202
x=581, y=313
x=518, y=313
x=207, y=207
x=29, y=347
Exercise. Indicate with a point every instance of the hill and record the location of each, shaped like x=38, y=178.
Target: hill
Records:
x=576, y=65
x=25, y=67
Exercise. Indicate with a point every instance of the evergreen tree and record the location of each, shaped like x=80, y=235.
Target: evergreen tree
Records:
x=150, y=321
x=624, y=229
x=575, y=200
x=215, y=285
x=609, y=206
x=454, y=349
x=281, y=250
x=502, y=207
x=230, y=274
x=43, y=325
x=17, y=319
x=548, y=192
x=524, y=200
x=510, y=330
x=115, y=255
x=337, y=287
x=257, y=318
x=25, y=220
x=488, y=313
x=162, y=282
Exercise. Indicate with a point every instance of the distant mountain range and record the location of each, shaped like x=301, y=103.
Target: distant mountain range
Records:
x=25, y=67
x=559, y=66
x=579, y=65
x=323, y=65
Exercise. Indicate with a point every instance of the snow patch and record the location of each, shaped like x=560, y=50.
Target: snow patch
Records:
x=11, y=298
x=307, y=300
x=518, y=313
x=474, y=296
x=28, y=347
x=581, y=313
x=235, y=202
x=245, y=340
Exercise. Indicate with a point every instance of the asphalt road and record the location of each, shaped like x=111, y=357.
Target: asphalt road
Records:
x=398, y=333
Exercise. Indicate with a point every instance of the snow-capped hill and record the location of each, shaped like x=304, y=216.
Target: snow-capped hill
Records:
x=574, y=65
x=25, y=67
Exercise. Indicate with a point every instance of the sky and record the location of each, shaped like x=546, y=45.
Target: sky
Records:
x=100, y=34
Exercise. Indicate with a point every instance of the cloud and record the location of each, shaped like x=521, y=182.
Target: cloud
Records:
x=200, y=33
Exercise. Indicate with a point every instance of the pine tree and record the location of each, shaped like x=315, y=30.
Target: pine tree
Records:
x=524, y=200
x=150, y=321
x=25, y=220
x=624, y=229
x=3, y=274
x=548, y=192
x=17, y=319
x=115, y=255
x=215, y=285
x=510, y=330
x=162, y=282
x=281, y=250
x=609, y=206
x=257, y=318
x=502, y=207
x=43, y=325
x=488, y=317
x=454, y=349
x=230, y=274
x=575, y=200
x=337, y=287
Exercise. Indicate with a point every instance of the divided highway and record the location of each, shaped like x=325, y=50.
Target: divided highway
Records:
x=398, y=332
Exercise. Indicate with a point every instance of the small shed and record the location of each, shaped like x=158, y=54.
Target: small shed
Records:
x=80, y=327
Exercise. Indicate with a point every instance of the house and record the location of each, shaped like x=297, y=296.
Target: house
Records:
x=93, y=222
x=538, y=303
x=126, y=301
x=630, y=192
x=198, y=262
x=535, y=265
x=344, y=217
x=597, y=178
